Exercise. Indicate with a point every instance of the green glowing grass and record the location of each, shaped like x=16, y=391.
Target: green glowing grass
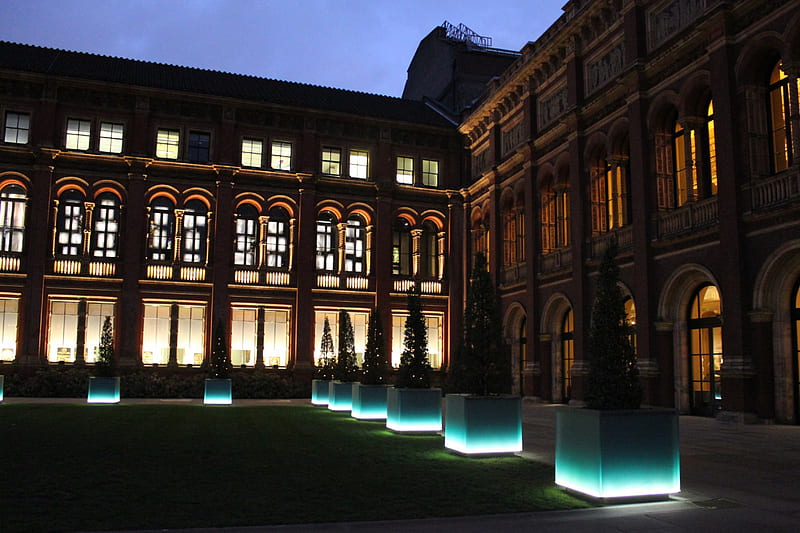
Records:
x=104, y=467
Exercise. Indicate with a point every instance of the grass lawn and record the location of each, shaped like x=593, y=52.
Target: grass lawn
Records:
x=85, y=467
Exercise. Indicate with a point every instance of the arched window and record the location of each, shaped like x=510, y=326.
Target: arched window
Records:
x=246, y=247
x=162, y=229
x=71, y=212
x=326, y=242
x=355, y=245
x=779, y=113
x=630, y=318
x=705, y=358
x=710, y=138
x=429, y=251
x=480, y=238
x=401, y=248
x=617, y=194
x=685, y=151
x=105, y=241
x=278, y=238
x=195, y=231
x=12, y=218
x=567, y=354
x=510, y=230
x=562, y=216
x=599, y=196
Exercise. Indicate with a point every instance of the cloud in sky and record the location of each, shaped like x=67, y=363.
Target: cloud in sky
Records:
x=363, y=45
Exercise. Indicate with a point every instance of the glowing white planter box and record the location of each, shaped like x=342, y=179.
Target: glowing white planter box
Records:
x=218, y=392
x=103, y=390
x=340, y=395
x=2, y=380
x=476, y=425
x=618, y=454
x=369, y=401
x=319, y=391
x=414, y=410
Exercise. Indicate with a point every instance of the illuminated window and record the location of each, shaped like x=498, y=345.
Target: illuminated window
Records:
x=162, y=229
x=405, y=170
x=244, y=335
x=547, y=217
x=276, y=337
x=711, y=150
x=9, y=315
x=433, y=325
x=63, y=333
x=195, y=231
x=18, y=127
x=567, y=355
x=167, y=144
x=359, y=161
x=199, y=147
x=562, y=217
x=705, y=343
x=401, y=248
x=190, y=342
x=780, y=123
x=510, y=231
x=355, y=244
x=429, y=251
x=191, y=335
x=359, y=321
x=12, y=218
x=111, y=138
x=326, y=243
x=246, y=247
x=332, y=161
x=617, y=196
x=106, y=226
x=684, y=177
x=156, y=334
x=69, y=239
x=430, y=173
x=96, y=313
x=278, y=238
x=251, y=153
x=281, y=155
x=78, y=134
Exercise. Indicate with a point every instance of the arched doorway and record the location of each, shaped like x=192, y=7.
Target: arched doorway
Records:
x=796, y=348
x=567, y=355
x=523, y=353
x=705, y=351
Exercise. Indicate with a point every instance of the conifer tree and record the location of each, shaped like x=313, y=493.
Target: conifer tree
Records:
x=220, y=366
x=376, y=365
x=415, y=368
x=105, y=365
x=345, y=369
x=324, y=369
x=613, y=380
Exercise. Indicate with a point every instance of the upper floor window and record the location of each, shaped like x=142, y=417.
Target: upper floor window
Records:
x=405, y=170
x=69, y=224
x=162, y=228
x=547, y=217
x=609, y=197
x=106, y=226
x=332, y=161
x=199, y=147
x=355, y=245
x=12, y=218
x=278, y=238
x=252, y=152
x=111, y=138
x=195, y=231
x=246, y=247
x=780, y=123
x=79, y=133
x=684, y=172
x=401, y=248
x=359, y=160
x=326, y=242
x=430, y=173
x=281, y=155
x=711, y=151
x=167, y=144
x=429, y=251
x=18, y=126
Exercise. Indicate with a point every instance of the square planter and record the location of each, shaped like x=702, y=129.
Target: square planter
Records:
x=630, y=454
x=2, y=380
x=340, y=395
x=218, y=392
x=319, y=391
x=414, y=410
x=103, y=390
x=369, y=401
x=479, y=425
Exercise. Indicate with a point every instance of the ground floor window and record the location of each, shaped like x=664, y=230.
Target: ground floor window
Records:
x=359, y=320
x=705, y=357
x=9, y=314
x=74, y=329
x=177, y=329
x=433, y=324
x=259, y=331
x=567, y=355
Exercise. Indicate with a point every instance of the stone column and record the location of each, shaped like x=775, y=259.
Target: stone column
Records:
x=664, y=358
x=760, y=333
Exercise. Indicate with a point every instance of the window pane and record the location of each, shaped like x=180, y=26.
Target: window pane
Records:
x=251, y=153
x=167, y=143
x=63, y=331
x=111, y=138
x=199, y=147
x=405, y=170
x=17, y=128
x=358, y=164
x=155, y=343
x=331, y=161
x=430, y=173
x=281, y=155
x=78, y=134
x=9, y=312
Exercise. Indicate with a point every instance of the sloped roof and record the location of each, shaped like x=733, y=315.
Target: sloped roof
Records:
x=81, y=65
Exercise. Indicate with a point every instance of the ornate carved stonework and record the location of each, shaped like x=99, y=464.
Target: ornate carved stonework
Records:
x=513, y=136
x=552, y=107
x=666, y=20
x=601, y=71
x=479, y=162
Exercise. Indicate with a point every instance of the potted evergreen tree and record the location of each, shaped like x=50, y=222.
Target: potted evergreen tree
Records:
x=612, y=448
x=369, y=396
x=482, y=417
x=412, y=405
x=104, y=385
x=323, y=370
x=218, y=390
x=340, y=395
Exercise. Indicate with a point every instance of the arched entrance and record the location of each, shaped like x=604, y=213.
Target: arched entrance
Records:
x=796, y=347
x=515, y=332
x=523, y=353
x=567, y=355
x=705, y=351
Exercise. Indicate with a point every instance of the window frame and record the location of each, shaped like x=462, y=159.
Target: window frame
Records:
x=426, y=174
x=7, y=128
x=327, y=162
x=326, y=242
x=246, y=230
x=110, y=139
x=102, y=227
x=79, y=139
x=166, y=145
x=403, y=170
x=279, y=145
x=162, y=219
x=277, y=239
x=194, y=234
x=70, y=220
x=198, y=147
x=247, y=156
x=353, y=156
x=13, y=208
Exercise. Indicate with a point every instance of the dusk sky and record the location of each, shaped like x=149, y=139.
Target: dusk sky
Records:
x=363, y=45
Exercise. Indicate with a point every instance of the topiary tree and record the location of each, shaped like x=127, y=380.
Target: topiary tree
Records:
x=346, y=368
x=483, y=364
x=613, y=380
x=376, y=365
x=220, y=364
x=324, y=367
x=106, y=366
x=415, y=369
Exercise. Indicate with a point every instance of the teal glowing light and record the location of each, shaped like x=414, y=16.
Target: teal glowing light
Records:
x=340, y=396
x=218, y=392
x=2, y=379
x=369, y=402
x=414, y=410
x=103, y=390
x=319, y=391
x=618, y=454
x=483, y=424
